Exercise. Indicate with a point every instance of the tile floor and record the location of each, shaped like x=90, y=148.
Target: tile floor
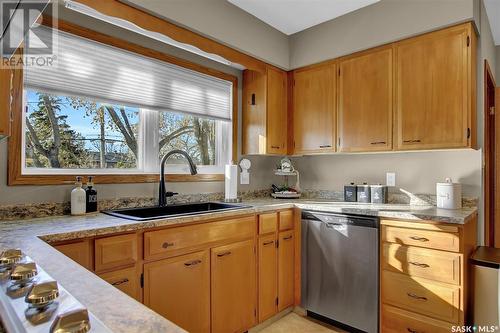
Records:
x=295, y=323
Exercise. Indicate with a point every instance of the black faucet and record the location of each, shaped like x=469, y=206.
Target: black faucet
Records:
x=162, y=198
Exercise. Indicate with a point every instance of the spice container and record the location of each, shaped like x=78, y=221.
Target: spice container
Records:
x=350, y=193
x=379, y=194
x=363, y=193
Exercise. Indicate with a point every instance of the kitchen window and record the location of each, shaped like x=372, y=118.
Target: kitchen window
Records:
x=104, y=110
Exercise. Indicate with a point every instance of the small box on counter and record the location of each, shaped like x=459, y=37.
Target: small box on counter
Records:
x=379, y=194
x=350, y=193
x=363, y=193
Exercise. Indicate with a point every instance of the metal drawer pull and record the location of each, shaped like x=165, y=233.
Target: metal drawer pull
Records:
x=420, y=239
x=325, y=146
x=166, y=245
x=420, y=298
x=117, y=283
x=419, y=264
x=275, y=147
x=287, y=238
x=412, y=141
x=378, y=143
x=192, y=263
x=411, y=330
x=224, y=254
x=268, y=243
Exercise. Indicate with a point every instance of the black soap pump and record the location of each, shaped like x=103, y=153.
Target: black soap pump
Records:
x=91, y=196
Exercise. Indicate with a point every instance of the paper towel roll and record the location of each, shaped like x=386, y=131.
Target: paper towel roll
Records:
x=231, y=181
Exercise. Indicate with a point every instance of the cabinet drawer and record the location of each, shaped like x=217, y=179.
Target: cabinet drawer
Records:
x=126, y=280
x=431, y=299
x=286, y=220
x=423, y=238
x=179, y=240
x=268, y=223
x=430, y=264
x=395, y=320
x=116, y=251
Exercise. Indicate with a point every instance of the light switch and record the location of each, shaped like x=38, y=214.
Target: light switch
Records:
x=391, y=179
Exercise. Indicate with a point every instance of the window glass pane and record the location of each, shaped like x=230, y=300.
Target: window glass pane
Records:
x=65, y=132
x=195, y=135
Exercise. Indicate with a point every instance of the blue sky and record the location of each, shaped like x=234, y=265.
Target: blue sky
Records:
x=77, y=119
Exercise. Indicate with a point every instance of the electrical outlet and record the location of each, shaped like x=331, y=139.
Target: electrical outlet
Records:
x=390, y=178
x=244, y=177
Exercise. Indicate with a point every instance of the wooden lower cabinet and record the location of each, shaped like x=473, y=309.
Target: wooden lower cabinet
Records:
x=399, y=321
x=179, y=289
x=234, y=293
x=268, y=276
x=286, y=263
x=127, y=280
x=78, y=251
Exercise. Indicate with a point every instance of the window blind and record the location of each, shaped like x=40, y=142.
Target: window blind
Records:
x=108, y=74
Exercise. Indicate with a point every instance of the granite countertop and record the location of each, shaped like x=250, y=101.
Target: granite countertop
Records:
x=122, y=313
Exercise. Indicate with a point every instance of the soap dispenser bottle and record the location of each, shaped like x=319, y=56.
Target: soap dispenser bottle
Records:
x=78, y=198
x=91, y=196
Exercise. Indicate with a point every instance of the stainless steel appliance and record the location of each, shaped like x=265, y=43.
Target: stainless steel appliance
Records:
x=340, y=269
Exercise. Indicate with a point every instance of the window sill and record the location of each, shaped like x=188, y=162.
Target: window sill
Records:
x=110, y=179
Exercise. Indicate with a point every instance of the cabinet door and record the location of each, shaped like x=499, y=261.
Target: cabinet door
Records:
x=314, y=109
x=254, y=112
x=268, y=277
x=365, y=102
x=433, y=93
x=233, y=287
x=127, y=280
x=77, y=251
x=179, y=289
x=286, y=269
x=276, y=111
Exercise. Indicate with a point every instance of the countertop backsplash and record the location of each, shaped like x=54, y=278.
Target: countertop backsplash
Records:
x=35, y=210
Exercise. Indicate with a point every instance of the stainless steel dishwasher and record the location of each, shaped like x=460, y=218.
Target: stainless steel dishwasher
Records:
x=340, y=269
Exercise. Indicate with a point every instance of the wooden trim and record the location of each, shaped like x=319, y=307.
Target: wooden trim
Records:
x=5, y=90
x=15, y=176
x=153, y=23
x=489, y=172
x=497, y=170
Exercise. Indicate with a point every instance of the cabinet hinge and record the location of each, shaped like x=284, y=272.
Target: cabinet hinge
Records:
x=142, y=280
x=277, y=301
x=468, y=133
x=468, y=41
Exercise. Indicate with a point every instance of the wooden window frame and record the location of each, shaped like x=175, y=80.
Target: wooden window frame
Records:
x=15, y=176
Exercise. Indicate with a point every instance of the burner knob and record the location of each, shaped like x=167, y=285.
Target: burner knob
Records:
x=74, y=321
x=42, y=294
x=10, y=257
x=23, y=272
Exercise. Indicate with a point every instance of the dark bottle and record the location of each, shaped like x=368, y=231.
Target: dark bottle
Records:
x=91, y=196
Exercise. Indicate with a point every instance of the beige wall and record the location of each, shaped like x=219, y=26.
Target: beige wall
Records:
x=226, y=23
x=498, y=66
x=380, y=23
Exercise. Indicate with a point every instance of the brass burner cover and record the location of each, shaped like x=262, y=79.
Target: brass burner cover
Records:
x=11, y=256
x=74, y=321
x=42, y=294
x=23, y=272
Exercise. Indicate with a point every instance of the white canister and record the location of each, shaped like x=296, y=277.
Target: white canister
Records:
x=449, y=195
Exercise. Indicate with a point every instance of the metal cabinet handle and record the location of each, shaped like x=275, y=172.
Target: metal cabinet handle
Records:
x=412, y=141
x=117, y=283
x=419, y=264
x=378, y=143
x=325, y=146
x=420, y=298
x=275, y=147
x=411, y=330
x=223, y=254
x=192, y=263
x=287, y=238
x=420, y=239
x=268, y=243
x=166, y=245
x=331, y=225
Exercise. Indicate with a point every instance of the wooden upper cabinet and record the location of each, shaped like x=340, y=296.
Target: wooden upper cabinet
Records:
x=5, y=91
x=314, y=93
x=365, y=101
x=264, y=112
x=435, y=84
x=234, y=287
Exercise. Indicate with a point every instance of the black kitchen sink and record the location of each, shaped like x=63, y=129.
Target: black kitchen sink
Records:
x=157, y=212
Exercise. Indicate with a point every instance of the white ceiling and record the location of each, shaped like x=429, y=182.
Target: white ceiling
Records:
x=493, y=11
x=291, y=16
